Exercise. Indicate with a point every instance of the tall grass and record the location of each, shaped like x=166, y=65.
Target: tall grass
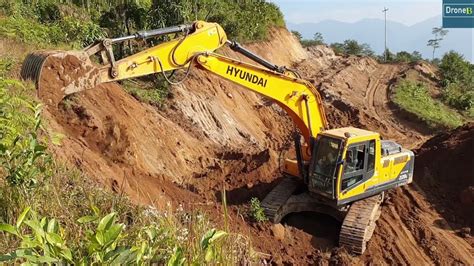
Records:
x=415, y=99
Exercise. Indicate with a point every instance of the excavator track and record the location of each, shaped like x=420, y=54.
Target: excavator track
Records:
x=359, y=224
x=277, y=198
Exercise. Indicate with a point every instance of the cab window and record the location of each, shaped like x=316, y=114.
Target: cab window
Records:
x=354, y=166
x=355, y=159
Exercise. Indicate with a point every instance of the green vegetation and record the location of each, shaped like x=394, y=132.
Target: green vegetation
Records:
x=154, y=93
x=415, y=99
x=104, y=240
x=317, y=39
x=68, y=218
x=457, y=79
x=242, y=20
x=44, y=24
x=256, y=211
x=400, y=57
x=352, y=47
x=84, y=21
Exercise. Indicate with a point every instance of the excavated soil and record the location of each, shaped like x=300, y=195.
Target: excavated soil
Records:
x=446, y=168
x=214, y=135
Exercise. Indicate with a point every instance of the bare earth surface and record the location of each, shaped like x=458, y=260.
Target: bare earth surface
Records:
x=214, y=135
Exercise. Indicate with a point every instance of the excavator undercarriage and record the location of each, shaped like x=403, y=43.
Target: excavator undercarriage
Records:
x=358, y=219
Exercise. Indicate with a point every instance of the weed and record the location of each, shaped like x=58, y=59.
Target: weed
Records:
x=154, y=93
x=256, y=211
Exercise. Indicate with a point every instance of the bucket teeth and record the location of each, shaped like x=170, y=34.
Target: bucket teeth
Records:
x=31, y=68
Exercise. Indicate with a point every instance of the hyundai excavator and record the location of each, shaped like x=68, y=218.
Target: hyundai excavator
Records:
x=340, y=172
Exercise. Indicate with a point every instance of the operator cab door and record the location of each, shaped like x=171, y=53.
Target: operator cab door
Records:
x=359, y=166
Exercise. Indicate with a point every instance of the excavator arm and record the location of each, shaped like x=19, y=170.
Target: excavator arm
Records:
x=197, y=45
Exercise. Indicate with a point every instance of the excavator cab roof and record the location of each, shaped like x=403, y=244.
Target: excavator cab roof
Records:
x=350, y=132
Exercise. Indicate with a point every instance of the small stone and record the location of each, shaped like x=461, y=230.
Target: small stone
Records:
x=278, y=231
x=433, y=248
x=230, y=95
x=249, y=185
x=278, y=260
x=465, y=232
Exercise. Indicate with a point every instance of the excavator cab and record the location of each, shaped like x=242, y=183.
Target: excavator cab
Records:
x=347, y=165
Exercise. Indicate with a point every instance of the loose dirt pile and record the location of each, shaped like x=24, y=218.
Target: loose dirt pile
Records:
x=215, y=135
x=445, y=167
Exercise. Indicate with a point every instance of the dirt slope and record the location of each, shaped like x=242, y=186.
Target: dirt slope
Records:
x=215, y=135
x=357, y=92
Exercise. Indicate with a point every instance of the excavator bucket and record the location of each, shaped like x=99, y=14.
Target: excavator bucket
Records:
x=58, y=73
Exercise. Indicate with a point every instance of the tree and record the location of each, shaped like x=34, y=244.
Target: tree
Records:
x=352, y=47
x=403, y=56
x=457, y=80
x=439, y=34
x=297, y=34
x=366, y=50
x=337, y=47
x=318, y=38
x=416, y=56
x=387, y=56
x=455, y=69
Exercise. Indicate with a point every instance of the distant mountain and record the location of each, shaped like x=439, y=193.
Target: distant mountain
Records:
x=399, y=36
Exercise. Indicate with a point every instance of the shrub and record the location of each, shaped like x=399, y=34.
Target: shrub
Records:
x=459, y=98
x=30, y=32
x=22, y=153
x=81, y=32
x=457, y=79
x=242, y=20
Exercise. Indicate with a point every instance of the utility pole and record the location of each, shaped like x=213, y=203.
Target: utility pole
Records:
x=385, y=51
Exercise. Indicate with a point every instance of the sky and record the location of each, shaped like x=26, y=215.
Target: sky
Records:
x=402, y=11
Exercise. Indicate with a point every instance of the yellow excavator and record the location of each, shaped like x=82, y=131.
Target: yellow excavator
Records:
x=341, y=172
